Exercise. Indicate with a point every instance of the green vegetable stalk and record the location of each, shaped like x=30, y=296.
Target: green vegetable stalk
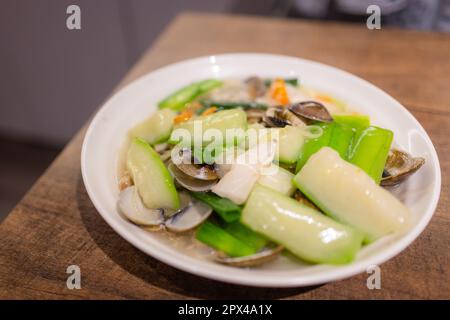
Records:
x=291, y=81
x=220, y=105
x=338, y=135
x=241, y=232
x=225, y=208
x=355, y=121
x=341, y=139
x=177, y=100
x=370, y=149
x=208, y=84
x=216, y=237
x=311, y=146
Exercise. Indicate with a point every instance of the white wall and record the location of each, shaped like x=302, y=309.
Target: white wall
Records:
x=52, y=79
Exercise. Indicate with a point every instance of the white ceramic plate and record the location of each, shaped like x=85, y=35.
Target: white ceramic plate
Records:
x=108, y=130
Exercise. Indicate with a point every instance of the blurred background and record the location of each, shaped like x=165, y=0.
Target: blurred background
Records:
x=53, y=79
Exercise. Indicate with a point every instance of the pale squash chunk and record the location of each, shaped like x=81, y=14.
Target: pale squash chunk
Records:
x=304, y=231
x=290, y=145
x=153, y=181
x=278, y=179
x=348, y=194
x=156, y=128
x=228, y=125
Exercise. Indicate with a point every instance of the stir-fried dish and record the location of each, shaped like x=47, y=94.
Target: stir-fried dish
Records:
x=254, y=167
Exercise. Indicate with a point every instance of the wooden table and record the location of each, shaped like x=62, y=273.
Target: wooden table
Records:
x=56, y=225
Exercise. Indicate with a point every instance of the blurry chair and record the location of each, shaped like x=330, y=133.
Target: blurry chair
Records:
x=413, y=14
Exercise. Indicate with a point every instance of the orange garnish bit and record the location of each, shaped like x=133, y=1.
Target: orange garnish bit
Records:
x=278, y=91
x=324, y=98
x=209, y=111
x=183, y=116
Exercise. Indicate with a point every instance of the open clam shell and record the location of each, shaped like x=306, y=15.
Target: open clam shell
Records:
x=189, y=217
x=280, y=116
x=132, y=207
x=311, y=110
x=188, y=182
x=399, y=166
x=186, y=164
x=185, y=200
x=192, y=214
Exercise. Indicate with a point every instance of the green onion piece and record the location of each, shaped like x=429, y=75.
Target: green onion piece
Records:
x=291, y=81
x=370, y=149
x=223, y=105
x=177, y=100
x=241, y=232
x=214, y=236
x=225, y=208
x=208, y=85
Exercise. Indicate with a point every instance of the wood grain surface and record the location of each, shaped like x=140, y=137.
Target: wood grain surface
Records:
x=56, y=225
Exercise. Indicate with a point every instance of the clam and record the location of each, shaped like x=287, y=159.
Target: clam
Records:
x=189, y=217
x=189, y=182
x=264, y=256
x=223, y=162
x=186, y=164
x=274, y=122
x=185, y=200
x=255, y=87
x=280, y=117
x=399, y=166
x=131, y=205
x=311, y=110
x=192, y=214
